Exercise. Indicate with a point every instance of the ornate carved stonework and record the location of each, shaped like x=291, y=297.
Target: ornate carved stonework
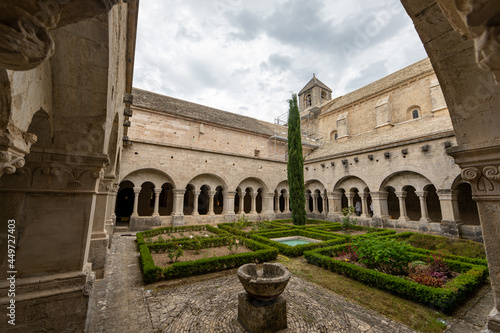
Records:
x=10, y=162
x=479, y=20
x=485, y=180
x=25, y=41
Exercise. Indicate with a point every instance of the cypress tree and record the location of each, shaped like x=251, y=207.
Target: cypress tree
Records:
x=295, y=166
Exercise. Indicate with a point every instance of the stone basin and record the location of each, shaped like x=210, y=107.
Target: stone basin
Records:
x=266, y=284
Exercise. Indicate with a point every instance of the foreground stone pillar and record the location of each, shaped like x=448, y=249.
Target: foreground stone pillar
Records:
x=277, y=204
x=157, y=202
x=242, y=203
x=267, y=206
x=450, y=223
x=481, y=167
x=403, y=215
x=423, y=206
x=196, y=194
x=110, y=211
x=137, y=190
x=379, y=202
x=315, y=203
x=286, y=198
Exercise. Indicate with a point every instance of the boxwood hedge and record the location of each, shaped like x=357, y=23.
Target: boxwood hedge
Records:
x=443, y=299
x=229, y=227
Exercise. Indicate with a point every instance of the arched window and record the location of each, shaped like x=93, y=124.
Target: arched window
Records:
x=308, y=100
x=414, y=114
x=333, y=136
x=323, y=94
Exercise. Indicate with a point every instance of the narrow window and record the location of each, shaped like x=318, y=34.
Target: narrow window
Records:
x=308, y=100
x=256, y=153
x=323, y=94
x=415, y=114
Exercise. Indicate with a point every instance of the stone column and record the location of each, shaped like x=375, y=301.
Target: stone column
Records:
x=157, y=202
x=228, y=207
x=325, y=204
x=267, y=205
x=423, y=206
x=350, y=198
x=481, y=167
x=196, y=194
x=178, y=207
x=403, y=216
x=365, y=210
x=286, y=198
x=110, y=211
x=137, y=190
x=451, y=221
x=211, y=202
x=277, y=203
x=335, y=200
x=315, y=203
x=242, y=202
x=307, y=196
x=253, y=196
x=380, y=207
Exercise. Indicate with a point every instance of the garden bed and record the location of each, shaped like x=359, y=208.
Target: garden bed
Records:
x=355, y=231
x=469, y=277
x=152, y=272
x=180, y=234
x=246, y=228
x=163, y=260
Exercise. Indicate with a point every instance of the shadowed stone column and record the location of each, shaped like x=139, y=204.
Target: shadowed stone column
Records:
x=423, y=206
x=157, y=202
x=267, y=205
x=451, y=221
x=364, y=205
x=350, y=198
x=137, y=190
x=277, y=204
x=110, y=212
x=325, y=204
x=403, y=216
x=379, y=201
x=211, y=202
x=286, y=200
x=196, y=194
x=315, y=203
x=335, y=200
x=253, y=196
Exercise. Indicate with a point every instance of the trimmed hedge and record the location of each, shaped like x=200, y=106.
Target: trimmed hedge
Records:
x=229, y=227
x=298, y=250
x=441, y=298
x=331, y=228
x=153, y=273
x=407, y=234
x=310, y=223
x=166, y=230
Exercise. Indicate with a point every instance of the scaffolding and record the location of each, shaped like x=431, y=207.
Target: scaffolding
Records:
x=278, y=142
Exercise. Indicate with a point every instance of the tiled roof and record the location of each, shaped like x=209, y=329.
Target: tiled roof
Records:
x=314, y=82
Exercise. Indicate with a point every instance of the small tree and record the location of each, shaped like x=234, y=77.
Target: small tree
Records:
x=295, y=164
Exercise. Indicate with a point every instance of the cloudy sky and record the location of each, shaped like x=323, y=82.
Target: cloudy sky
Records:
x=248, y=56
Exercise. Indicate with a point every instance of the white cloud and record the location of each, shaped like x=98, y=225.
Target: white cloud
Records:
x=248, y=56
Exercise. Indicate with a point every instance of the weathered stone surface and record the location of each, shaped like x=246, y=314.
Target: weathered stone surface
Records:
x=261, y=316
x=265, y=284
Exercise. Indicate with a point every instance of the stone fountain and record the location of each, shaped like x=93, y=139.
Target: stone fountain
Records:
x=261, y=308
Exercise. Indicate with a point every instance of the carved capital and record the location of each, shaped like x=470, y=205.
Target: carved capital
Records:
x=485, y=181
x=10, y=162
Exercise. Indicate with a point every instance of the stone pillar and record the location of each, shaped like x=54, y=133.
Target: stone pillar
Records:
x=451, y=221
x=253, y=196
x=423, y=206
x=157, y=202
x=307, y=196
x=350, y=198
x=196, y=194
x=380, y=207
x=325, y=204
x=481, y=167
x=277, y=203
x=315, y=203
x=403, y=216
x=178, y=207
x=110, y=211
x=242, y=202
x=286, y=198
x=335, y=200
x=137, y=190
x=228, y=207
x=365, y=210
x=211, y=202
x=267, y=206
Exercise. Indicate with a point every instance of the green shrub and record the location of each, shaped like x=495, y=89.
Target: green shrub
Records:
x=387, y=256
x=347, y=221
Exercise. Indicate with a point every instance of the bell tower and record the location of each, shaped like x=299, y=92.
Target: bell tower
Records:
x=313, y=95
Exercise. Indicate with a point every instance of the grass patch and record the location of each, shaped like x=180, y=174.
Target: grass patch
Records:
x=458, y=247
x=411, y=314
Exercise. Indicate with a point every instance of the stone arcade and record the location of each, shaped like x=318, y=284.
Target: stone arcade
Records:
x=79, y=148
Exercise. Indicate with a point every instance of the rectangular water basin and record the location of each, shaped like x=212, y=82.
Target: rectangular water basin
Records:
x=295, y=240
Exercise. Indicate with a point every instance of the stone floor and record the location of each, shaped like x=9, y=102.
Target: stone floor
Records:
x=121, y=303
